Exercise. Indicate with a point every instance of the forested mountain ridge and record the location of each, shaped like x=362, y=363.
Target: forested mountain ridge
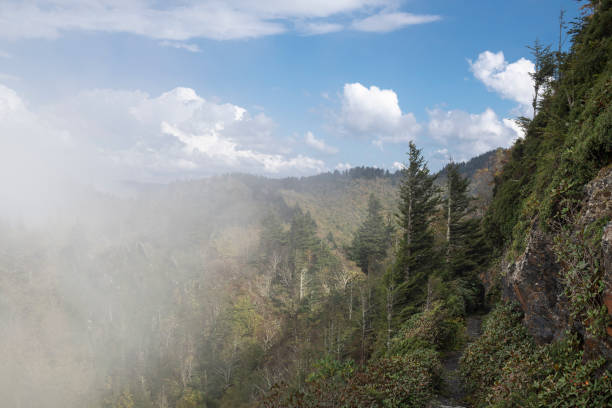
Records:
x=140, y=288
x=336, y=200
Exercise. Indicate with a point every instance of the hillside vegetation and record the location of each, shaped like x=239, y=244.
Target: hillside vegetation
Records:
x=143, y=290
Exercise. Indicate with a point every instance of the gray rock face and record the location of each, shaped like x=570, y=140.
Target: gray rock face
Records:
x=533, y=279
x=598, y=205
x=606, y=249
x=603, y=347
x=598, y=193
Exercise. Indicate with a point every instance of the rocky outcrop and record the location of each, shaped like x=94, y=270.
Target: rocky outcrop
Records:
x=606, y=248
x=598, y=202
x=533, y=279
x=598, y=206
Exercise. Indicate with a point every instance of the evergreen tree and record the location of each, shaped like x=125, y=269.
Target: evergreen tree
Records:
x=272, y=237
x=465, y=246
x=456, y=206
x=302, y=234
x=416, y=259
x=331, y=240
x=372, y=239
x=303, y=243
x=544, y=70
x=465, y=249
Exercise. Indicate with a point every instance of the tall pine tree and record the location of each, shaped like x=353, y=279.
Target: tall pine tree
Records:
x=372, y=239
x=416, y=258
x=273, y=237
x=303, y=243
x=465, y=246
x=466, y=249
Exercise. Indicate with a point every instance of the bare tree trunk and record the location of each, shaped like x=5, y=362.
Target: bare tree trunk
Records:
x=338, y=346
x=561, y=26
x=534, y=104
x=448, y=221
x=186, y=364
x=429, y=294
x=350, y=303
x=302, y=282
x=163, y=400
x=205, y=381
x=364, y=307
x=390, y=300
x=409, y=229
x=331, y=337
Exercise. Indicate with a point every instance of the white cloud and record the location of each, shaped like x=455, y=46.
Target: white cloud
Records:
x=509, y=123
x=364, y=108
x=104, y=136
x=180, y=45
x=49, y=18
x=443, y=156
x=343, y=166
x=214, y=147
x=4, y=54
x=510, y=80
x=319, y=144
x=391, y=21
x=8, y=77
x=9, y=101
x=181, y=20
x=33, y=157
x=318, y=28
x=308, y=8
x=398, y=166
x=467, y=135
x=374, y=112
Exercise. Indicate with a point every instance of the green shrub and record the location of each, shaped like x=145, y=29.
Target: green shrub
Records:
x=565, y=380
x=391, y=382
x=434, y=328
x=483, y=361
x=505, y=368
x=191, y=399
x=582, y=277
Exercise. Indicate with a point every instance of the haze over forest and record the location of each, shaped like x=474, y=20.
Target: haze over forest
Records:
x=364, y=203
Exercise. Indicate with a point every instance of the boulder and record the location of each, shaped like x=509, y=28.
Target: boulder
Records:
x=533, y=281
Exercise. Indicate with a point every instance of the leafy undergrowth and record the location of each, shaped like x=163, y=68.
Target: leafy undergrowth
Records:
x=505, y=368
x=408, y=374
x=399, y=381
x=436, y=328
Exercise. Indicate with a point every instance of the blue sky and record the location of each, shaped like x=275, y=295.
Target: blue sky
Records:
x=157, y=90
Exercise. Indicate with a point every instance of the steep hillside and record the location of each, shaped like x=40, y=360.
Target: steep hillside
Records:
x=550, y=223
x=552, y=196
